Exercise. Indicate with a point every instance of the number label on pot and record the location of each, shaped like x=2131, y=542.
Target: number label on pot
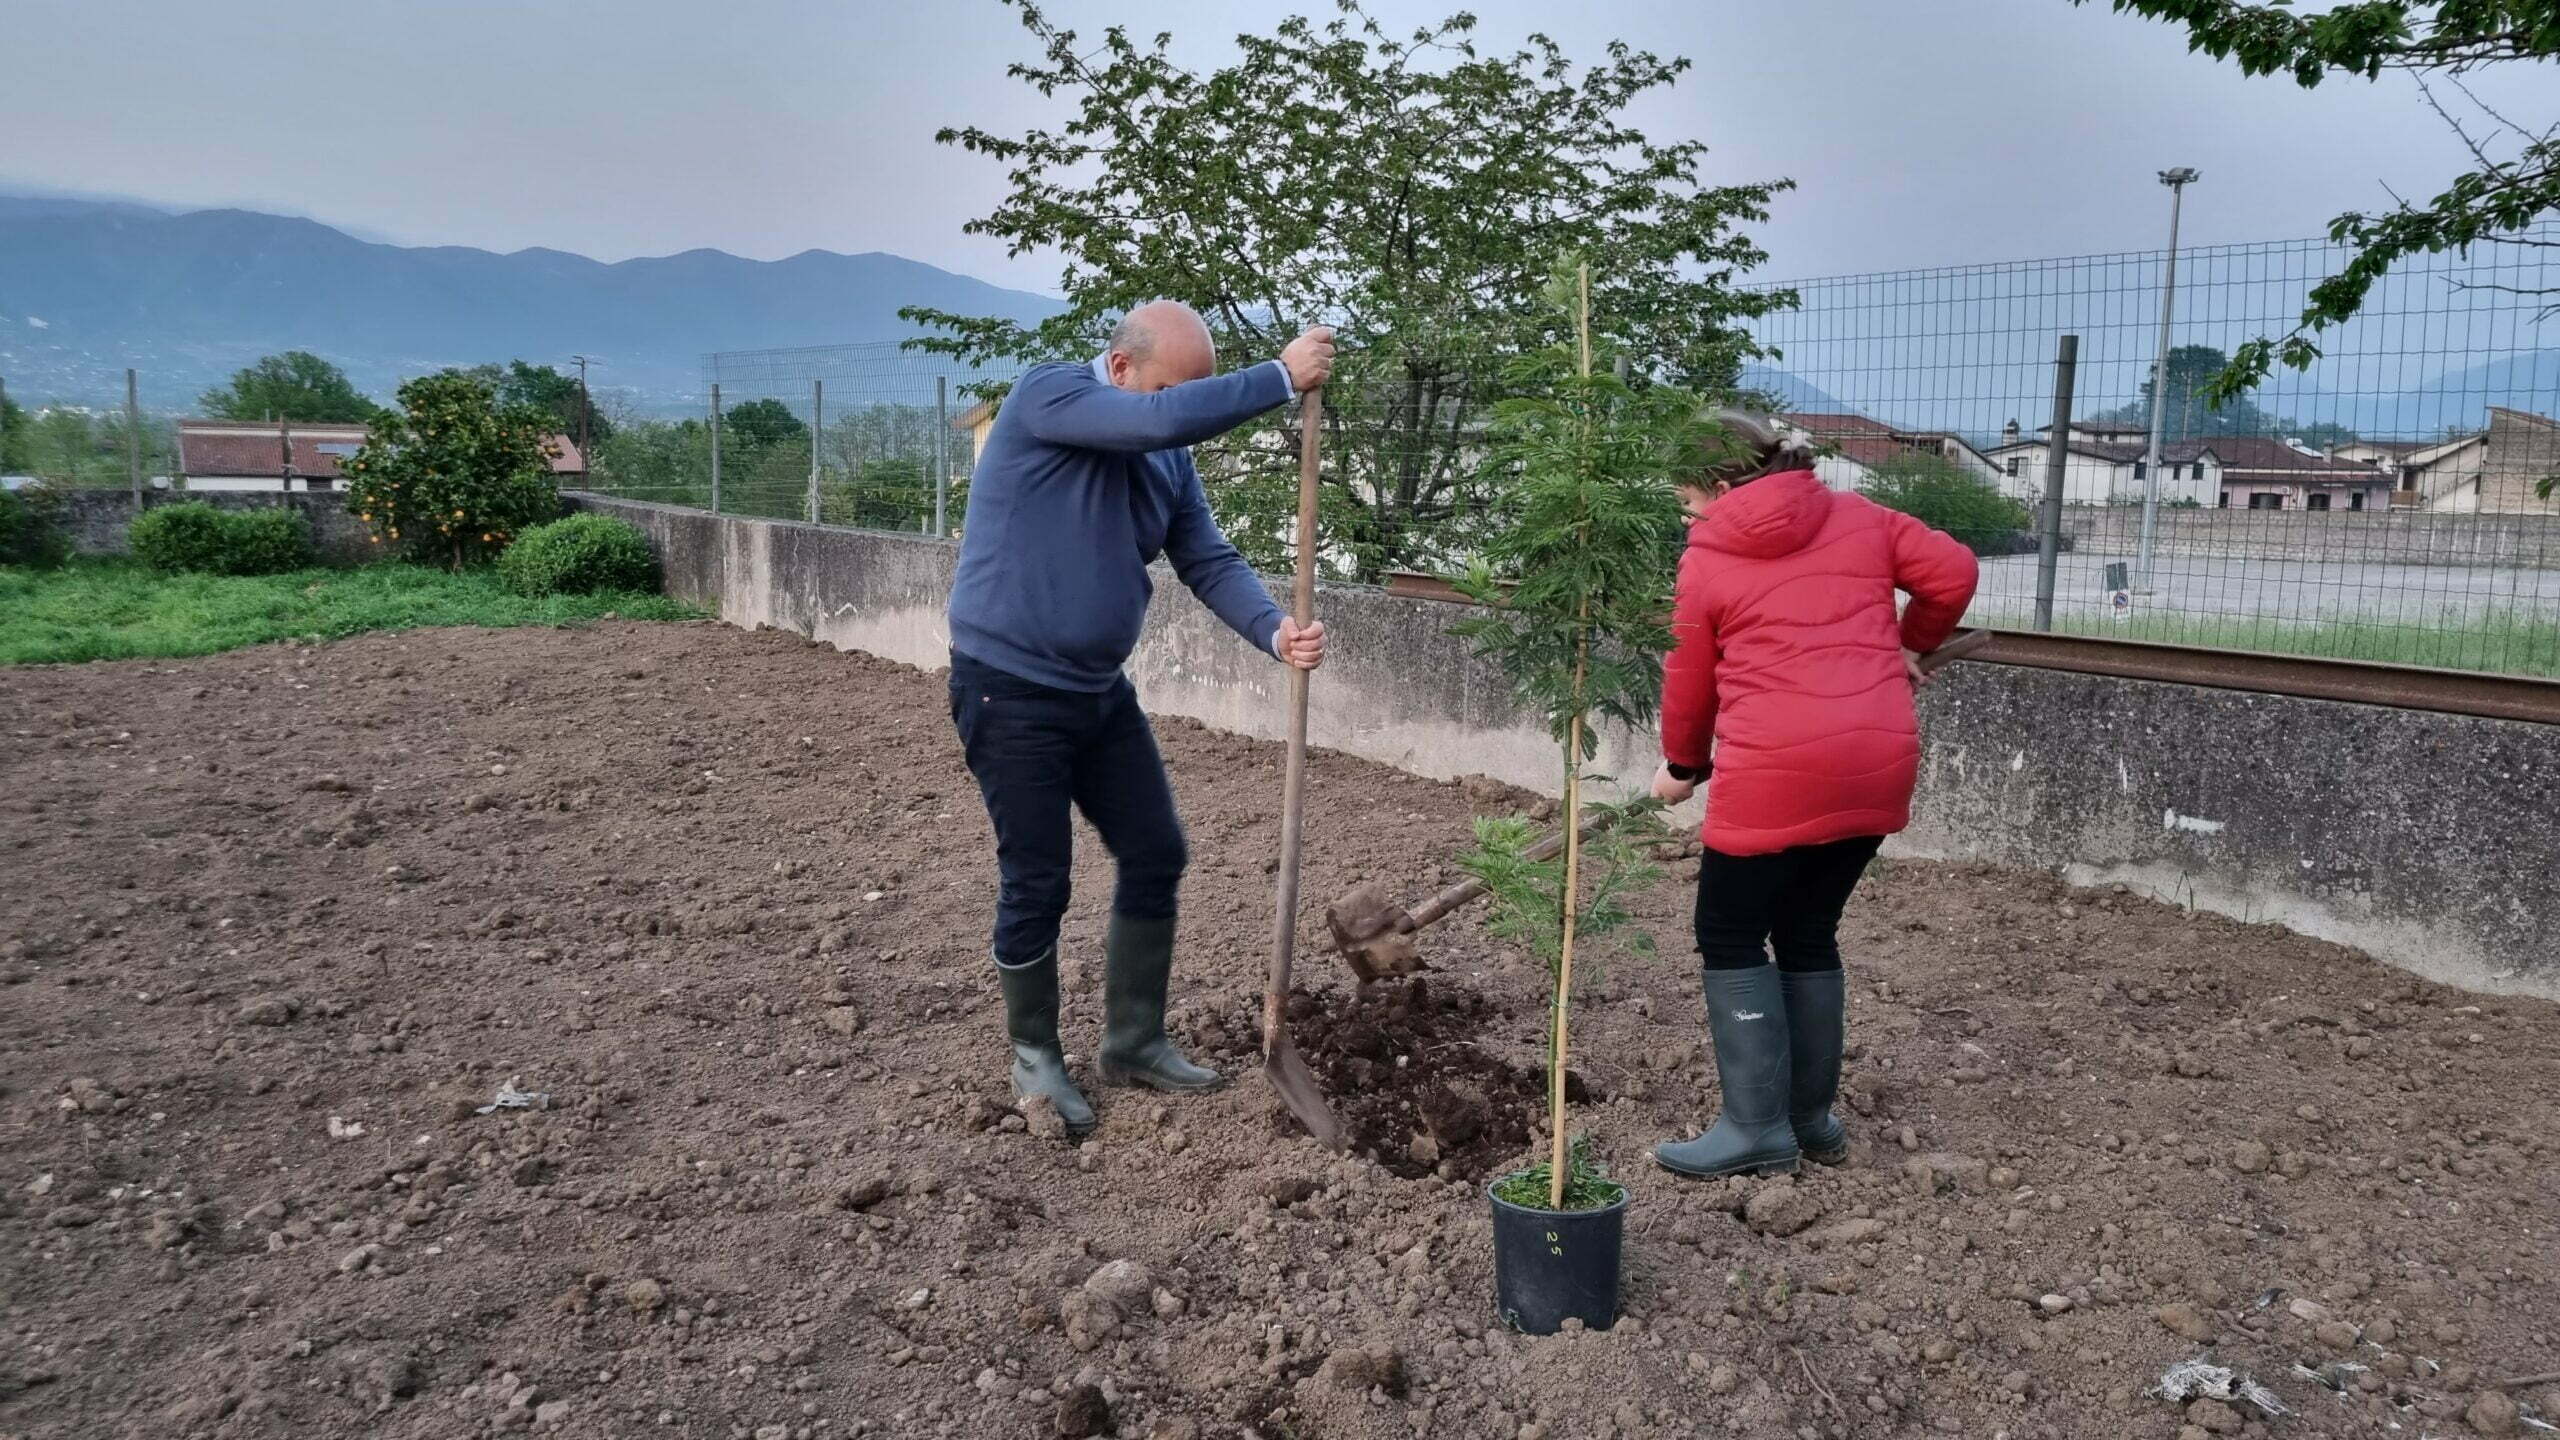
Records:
x=1554, y=1245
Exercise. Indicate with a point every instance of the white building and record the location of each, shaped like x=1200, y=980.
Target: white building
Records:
x=2109, y=464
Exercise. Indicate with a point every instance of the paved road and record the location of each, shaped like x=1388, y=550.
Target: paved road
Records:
x=2426, y=597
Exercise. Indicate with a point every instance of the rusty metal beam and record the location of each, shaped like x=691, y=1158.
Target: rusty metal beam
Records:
x=2354, y=682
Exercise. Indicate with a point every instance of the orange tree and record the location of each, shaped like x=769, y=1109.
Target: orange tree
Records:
x=451, y=474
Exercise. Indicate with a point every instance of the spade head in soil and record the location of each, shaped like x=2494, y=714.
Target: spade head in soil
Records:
x=1297, y=1088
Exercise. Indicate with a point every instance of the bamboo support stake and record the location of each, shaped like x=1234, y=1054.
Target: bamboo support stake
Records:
x=1556, y=1163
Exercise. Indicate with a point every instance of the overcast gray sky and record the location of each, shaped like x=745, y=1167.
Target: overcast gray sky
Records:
x=1921, y=132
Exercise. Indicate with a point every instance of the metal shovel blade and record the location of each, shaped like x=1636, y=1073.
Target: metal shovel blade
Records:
x=1296, y=1084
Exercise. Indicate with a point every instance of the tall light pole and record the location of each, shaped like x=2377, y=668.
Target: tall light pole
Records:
x=2177, y=180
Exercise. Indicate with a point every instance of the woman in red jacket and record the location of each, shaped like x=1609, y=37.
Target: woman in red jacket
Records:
x=1791, y=683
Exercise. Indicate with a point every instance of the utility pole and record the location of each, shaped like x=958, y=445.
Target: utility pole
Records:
x=715, y=447
x=584, y=409
x=133, y=436
x=2177, y=180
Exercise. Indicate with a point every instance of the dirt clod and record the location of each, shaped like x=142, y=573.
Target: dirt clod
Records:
x=1375, y=1366
x=1082, y=1414
x=2185, y=1321
x=2494, y=1413
x=1782, y=1207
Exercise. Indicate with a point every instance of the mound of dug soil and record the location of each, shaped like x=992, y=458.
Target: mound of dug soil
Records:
x=1406, y=1068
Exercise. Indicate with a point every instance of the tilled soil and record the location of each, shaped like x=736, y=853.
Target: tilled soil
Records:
x=279, y=924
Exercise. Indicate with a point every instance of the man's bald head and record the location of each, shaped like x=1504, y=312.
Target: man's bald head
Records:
x=1160, y=344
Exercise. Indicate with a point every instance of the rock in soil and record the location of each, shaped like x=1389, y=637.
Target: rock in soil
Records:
x=2185, y=1321
x=1083, y=1413
x=2494, y=1413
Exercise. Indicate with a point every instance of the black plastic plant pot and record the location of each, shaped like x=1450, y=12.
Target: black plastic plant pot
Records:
x=1550, y=1266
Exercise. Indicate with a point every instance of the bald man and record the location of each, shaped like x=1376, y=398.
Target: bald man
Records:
x=1085, y=479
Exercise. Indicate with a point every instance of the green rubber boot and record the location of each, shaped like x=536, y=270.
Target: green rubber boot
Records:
x=1031, y=1021
x=1747, y=1017
x=1817, y=1032
x=1137, y=961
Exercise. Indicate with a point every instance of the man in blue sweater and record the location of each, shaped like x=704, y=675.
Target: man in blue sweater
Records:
x=1085, y=479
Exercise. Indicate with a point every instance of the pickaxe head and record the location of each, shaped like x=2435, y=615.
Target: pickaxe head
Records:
x=1374, y=934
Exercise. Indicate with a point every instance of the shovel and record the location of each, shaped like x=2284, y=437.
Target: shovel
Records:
x=1375, y=935
x=1281, y=1063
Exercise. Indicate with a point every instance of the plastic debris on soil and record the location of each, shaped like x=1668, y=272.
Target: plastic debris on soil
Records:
x=2190, y=1379
x=511, y=1098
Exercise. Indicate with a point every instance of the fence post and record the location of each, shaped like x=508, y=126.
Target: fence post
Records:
x=2057, y=456
x=133, y=436
x=941, y=452
x=715, y=447
x=817, y=431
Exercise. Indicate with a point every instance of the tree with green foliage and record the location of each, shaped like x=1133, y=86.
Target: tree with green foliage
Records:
x=2192, y=415
x=296, y=385
x=2515, y=174
x=15, y=429
x=31, y=528
x=761, y=424
x=1936, y=492
x=540, y=387
x=1579, y=605
x=1410, y=190
x=668, y=462
x=453, y=474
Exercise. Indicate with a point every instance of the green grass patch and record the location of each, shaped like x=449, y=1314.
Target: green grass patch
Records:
x=2501, y=645
x=118, y=610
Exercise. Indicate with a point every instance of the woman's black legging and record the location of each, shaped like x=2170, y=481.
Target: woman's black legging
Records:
x=1788, y=902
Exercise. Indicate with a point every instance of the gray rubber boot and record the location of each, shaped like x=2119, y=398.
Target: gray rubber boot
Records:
x=1817, y=1032
x=1747, y=1016
x=1031, y=1021
x=1137, y=961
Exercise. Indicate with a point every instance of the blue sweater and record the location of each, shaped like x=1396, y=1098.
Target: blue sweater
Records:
x=1081, y=486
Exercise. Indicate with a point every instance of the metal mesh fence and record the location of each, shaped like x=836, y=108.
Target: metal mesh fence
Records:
x=2385, y=504
x=861, y=435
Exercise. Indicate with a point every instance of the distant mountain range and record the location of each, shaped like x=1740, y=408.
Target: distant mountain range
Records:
x=89, y=287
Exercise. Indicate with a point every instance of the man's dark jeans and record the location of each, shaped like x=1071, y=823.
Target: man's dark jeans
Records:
x=1036, y=751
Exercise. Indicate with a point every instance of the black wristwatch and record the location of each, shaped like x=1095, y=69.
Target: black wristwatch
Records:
x=1683, y=773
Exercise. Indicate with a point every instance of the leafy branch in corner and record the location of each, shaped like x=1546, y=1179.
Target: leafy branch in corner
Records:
x=2516, y=176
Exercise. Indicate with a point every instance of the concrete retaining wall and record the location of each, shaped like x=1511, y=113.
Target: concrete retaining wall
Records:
x=2347, y=537
x=2423, y=839
x=96, y=519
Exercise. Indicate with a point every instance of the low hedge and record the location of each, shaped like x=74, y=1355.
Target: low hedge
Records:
x=30, y=528
x=196, y=537
x=581, y=555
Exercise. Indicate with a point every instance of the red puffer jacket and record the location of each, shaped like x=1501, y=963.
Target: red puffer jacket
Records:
x=1788, y=668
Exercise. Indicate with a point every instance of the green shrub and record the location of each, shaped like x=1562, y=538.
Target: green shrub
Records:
x=30, y=528
x=194, y=537
x=1933, y=491
x=267, y=542
x=454, y=475
x=581, y=555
